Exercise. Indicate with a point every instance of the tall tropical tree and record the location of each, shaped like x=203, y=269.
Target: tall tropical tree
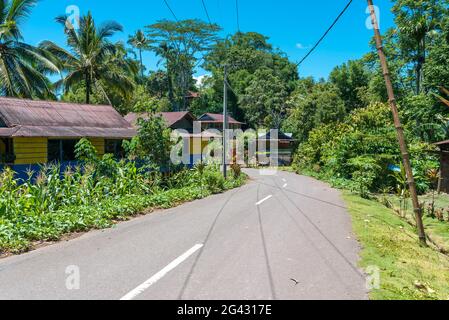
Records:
x=22, y=66
x=140, y=42
x=417, y=20
x=88, y=58
x=167, y=55
x=180, y=44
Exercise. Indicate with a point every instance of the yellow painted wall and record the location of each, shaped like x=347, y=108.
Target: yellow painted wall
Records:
x=34, y=150
x=196, y=147
x=30, y=150
x=98, y=143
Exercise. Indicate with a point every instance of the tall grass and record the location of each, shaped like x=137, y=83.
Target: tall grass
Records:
x=46, y=206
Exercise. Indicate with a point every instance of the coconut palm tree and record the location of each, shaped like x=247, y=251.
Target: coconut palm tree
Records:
x=140, y=42
x=88, y=58
x=22, y=66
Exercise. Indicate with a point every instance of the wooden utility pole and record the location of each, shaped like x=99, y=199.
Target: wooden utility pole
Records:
x=225, y=120
x=398, y=125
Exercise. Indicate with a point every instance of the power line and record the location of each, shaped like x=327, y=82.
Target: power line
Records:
x=325, y=34
x=232, y=89
x=237, y=14
x=205, y=10
x=172, y=12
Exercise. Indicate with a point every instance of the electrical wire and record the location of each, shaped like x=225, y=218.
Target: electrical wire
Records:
x=233, y=90
x=170, y=9
x=207, y=13
x=325, y=34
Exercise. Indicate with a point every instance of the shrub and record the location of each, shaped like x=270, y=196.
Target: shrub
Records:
x=362, y=149
x=152, y=142
x=236, y=170
x=214, y=180
x=80, y=199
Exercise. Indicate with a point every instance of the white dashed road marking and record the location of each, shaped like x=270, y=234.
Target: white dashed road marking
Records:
x=263, y=200
x=158, y=276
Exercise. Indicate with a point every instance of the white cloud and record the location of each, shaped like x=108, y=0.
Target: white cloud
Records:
x=301, y=46
x=200, y=80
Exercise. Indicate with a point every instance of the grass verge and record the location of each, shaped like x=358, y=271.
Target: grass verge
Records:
x=25, y=232
x=408, y=271
x=438, y=230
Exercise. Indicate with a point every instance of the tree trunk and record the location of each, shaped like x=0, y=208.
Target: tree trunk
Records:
x=170, y=86
x=420, y=65
x=88, y=85
x=141, y=63
x=418, y=78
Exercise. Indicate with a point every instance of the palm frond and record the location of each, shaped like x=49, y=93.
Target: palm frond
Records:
x=3, y=5
x=7, y=86
x=108, y=29
x=36, y=56
x=19, y=9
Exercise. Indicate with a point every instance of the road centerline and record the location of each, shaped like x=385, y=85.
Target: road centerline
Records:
x=263, y=200
x=172, y=265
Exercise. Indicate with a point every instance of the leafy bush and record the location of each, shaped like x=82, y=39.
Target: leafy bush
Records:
x=214, y=180
x=79, y=199
x=236, y=169
x=152, y=142
x=361, y=150
x=364, y=175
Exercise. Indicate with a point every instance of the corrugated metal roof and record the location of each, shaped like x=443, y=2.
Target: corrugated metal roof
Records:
x=170, y=117
x=34, y=118
x=280, y=136
x=217, y=118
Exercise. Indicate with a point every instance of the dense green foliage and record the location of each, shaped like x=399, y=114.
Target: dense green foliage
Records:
x=311, y=107
x=92, y=60
x=343, y=126
x=22, y=66
x=178, y=43
x=104, y=191
x=261, y=78
x=360, y=151
x=152, y=143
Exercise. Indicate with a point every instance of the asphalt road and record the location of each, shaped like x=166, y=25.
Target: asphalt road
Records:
x=278, y=237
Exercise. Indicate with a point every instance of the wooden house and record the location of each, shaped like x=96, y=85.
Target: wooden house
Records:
x=185, y=121
x=284, y=143
x=443, y=183
x=215, y=121
x=37, y=132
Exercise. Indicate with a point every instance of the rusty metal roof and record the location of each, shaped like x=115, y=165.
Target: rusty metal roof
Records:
x=36, y=118
x=171, y=118
x=217, y=118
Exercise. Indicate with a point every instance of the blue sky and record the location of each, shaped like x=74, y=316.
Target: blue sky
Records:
x=292, y=25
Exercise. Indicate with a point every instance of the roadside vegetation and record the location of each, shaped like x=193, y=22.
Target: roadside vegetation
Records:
x=407, y=270
x=435, y=215
x=102, y=190
x=342, y=127
x=96, y=196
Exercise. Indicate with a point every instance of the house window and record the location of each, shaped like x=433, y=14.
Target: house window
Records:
x=61, y=150
x=114, y=147
x=7, y=151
